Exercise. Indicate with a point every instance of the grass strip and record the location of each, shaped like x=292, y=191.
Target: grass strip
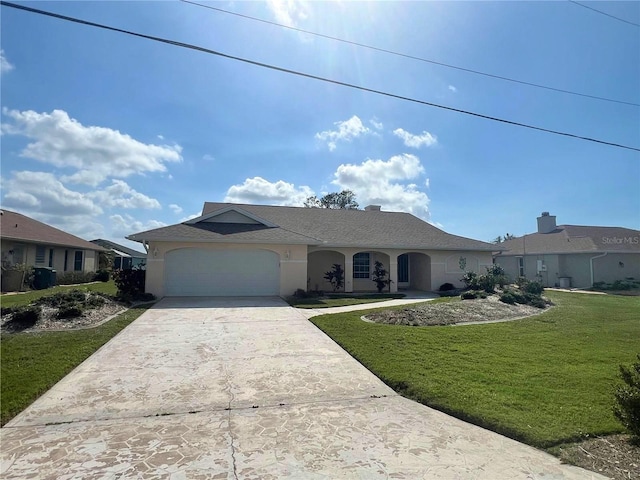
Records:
x=31, y=363
x=545, y=380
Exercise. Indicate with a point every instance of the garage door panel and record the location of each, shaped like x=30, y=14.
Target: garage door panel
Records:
x=201, y=272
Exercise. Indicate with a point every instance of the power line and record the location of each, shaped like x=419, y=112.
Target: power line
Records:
x=412, y=57
x=604, y=13
x=308, y=75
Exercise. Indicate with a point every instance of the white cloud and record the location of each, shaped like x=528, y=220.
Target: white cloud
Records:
x=120, y=194
x=288, y=12
x=96, y=153
x=385, y=183
x=376, y=124
x=126, y=225
x=347, y=130
x=261, y=191
x=5, y=66
x=42, y=192
x=415, y=141
x=208, y=158
x=453, y=89
x=175, y=208
x=189, y=217
x=160, y=137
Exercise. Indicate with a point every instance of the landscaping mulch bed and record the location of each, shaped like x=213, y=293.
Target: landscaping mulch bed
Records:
x=489, y=309
x=614, y=456
x=48, y=321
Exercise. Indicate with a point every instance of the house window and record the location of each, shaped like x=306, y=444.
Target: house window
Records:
x=403, y=268
x=77, y=261
x=40, y=252
x=521, y=266
x=361, y=265
x=51, y=258
x=66, y=260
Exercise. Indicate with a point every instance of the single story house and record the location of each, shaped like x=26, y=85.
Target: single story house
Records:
x=572, y=255
x=234, y=249
x=124, y=258
x=24, y=240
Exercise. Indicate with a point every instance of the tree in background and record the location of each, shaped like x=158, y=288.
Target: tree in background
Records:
x=500, y=239
x=345, y=200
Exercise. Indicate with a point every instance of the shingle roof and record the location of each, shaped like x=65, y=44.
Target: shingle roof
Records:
x=318, y=226
x=575, y=239
x=14, y=226
x=121, y=248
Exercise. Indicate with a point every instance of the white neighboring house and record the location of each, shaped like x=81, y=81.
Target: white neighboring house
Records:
x=572, y=255
x=238, y=250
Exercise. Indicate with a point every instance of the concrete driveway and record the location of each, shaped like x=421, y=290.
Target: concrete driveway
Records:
x=245, y=388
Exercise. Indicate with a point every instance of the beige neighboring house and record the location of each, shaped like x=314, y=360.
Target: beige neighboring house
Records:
x=572, y=255
x=24, y=240
x=239, y=250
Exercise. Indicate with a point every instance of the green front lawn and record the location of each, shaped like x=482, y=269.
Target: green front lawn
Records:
x=336, y=300
x=31, y=363
x=23, y=299
x=544, y=380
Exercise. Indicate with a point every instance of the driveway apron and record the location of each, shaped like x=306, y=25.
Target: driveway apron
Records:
x=245, y=388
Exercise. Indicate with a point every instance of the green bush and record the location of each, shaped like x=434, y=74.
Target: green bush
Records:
x=130, y=283
x=72, y=278
x=380, y=275
x=62, y=298
x=469, y=295
x=335, y=277
x=627, y=398
x=534, y=288
x=445, y=287
x=508, y=297
x=102, y=275
x=71, y=310
x=24, y=317
x=470, y=280
x=497, y=272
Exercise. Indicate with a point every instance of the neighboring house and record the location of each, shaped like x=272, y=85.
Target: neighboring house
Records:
x=124, y=258
x=270, y=250
x=572, y=255
x=24, y=240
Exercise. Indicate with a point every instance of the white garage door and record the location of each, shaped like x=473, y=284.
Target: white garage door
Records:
x=203, y=273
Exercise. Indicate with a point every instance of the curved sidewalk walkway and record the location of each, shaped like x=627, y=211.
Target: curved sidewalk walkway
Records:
x=246, y=388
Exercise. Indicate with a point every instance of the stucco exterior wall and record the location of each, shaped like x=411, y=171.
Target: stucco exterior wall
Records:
x=447, y=267
x=608, y=268
x=319, y=263
x=90, y=257
x=293, y=263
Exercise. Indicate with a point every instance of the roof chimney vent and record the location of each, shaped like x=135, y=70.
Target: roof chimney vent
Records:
x=546, y=223
x=372, y=208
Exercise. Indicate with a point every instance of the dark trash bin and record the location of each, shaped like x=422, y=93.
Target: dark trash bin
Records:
x=44, y=277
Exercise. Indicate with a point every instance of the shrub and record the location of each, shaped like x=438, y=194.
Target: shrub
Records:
x=445, y=287
x=627, y=398
x=335, y=277
x=621, y=285
x=534, y=288
x=72, y=310
x=508, y=297
x=487, y=283
x=470, y=280
x=380, y=276
x=102, y=276
x=94, y=301
x=62, y=298
x=497, y=272
x=72, y=278
x=25, y=317
x=469, y=295
x=130, y=283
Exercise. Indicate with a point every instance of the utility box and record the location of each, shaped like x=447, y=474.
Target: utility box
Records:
x=44, y=277
x=564, y=282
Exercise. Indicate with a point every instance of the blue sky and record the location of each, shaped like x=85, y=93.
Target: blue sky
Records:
x=104, y=134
